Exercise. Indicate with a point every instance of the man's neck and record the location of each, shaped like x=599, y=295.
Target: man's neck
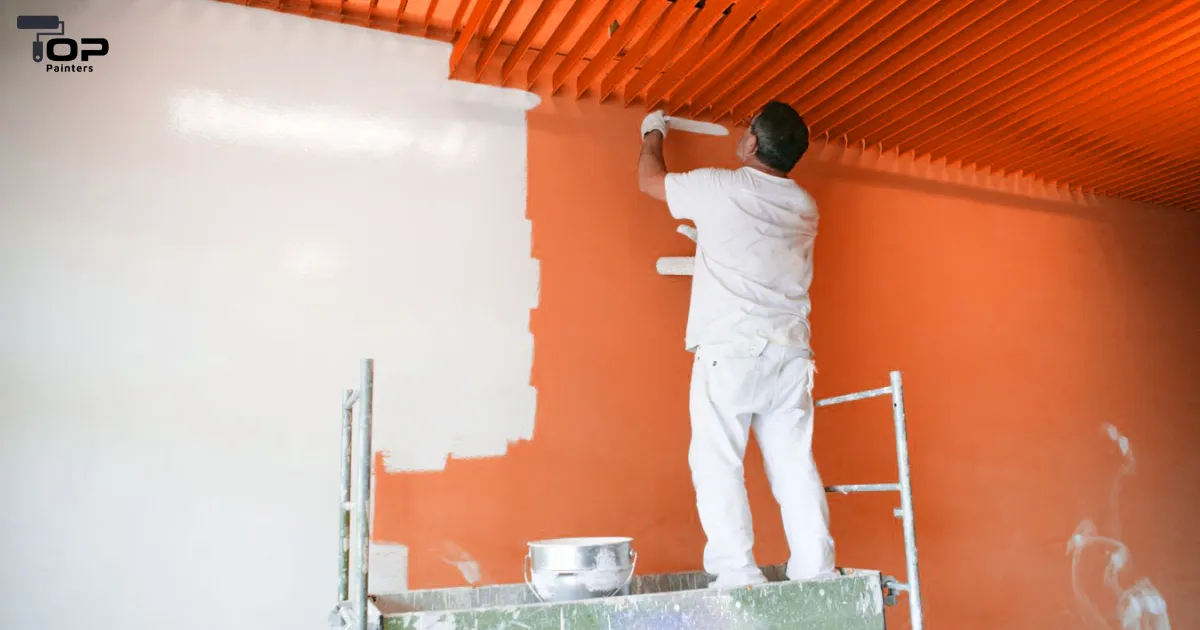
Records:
x=763, y=168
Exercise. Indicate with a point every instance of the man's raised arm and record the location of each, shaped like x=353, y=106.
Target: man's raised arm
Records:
x=652, y=170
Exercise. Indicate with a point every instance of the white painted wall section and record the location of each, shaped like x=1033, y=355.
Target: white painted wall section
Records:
x=199, y=240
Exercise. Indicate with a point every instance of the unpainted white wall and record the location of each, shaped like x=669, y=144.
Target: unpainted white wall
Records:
x=199, y=240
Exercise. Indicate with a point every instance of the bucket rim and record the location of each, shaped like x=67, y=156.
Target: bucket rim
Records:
x=594, y=541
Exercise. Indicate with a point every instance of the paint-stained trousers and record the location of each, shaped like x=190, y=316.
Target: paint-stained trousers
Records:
x=768, y=388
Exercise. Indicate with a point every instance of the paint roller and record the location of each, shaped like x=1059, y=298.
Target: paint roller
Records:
x=696, y=126
x=679, y=265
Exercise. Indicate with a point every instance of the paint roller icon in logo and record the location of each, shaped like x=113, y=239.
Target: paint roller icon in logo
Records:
x=48, y=24
x=58, y=47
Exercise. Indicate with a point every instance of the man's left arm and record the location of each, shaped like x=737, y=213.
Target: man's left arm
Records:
x=685, y=193
x=652, y=169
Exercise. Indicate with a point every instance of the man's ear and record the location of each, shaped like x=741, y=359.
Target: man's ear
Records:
x=751, y=144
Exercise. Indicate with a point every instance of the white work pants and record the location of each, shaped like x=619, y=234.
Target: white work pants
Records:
x=734, y=389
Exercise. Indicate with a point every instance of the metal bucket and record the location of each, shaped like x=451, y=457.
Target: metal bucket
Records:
x=565, y=569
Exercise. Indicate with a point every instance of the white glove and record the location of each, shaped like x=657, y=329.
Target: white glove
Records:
x=655, y=121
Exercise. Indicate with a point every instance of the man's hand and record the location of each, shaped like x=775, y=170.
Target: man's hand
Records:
x=655, y=121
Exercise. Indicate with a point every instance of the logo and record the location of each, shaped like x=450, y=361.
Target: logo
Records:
x=60, y=50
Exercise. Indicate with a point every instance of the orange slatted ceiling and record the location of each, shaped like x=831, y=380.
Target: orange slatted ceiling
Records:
x=1099, y=95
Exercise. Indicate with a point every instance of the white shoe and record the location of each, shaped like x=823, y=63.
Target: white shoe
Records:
x=823, y=575
x=739, y=579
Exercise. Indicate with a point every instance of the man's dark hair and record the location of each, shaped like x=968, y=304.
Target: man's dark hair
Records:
x=782, y=136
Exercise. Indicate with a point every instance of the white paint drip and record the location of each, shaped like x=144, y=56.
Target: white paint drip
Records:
x=442, y=622
x=1128, y=464
x=544, y=583
x=605, y=558
x=603, y=580
x=1139, y=607
x=608, y=575
x=458, y=558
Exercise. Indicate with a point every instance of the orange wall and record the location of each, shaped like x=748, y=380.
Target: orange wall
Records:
x=1020, y=325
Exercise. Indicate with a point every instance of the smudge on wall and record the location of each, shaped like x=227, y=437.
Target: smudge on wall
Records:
x=1140, y=606
x=457, y=557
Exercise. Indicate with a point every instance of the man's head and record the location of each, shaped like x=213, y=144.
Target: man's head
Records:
x=776, y=138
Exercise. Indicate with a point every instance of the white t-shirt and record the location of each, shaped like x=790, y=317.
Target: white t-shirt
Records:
x=754, y=256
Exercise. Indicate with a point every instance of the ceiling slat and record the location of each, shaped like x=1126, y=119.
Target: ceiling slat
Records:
x=1039, y=107
x=1087, y=50
x=599, y=25
x=564, y=28
x=488, y=17
x=717, y=67
x=910, y=69
x=646, y=10
x=980, y=70
x=668, y=24
x=853, y=39
x=699, y=26
x=662, y=55
x=473, y=25
x=1181, y=183
x=814, y=21
x=1079, y=134
x=429, y=12
x=1190, y=201
x=459, y=12
x=531, y=30
x=951, y=71
x=808, y=91
x=1023, y=69
x=1180, y=178
x=1155, y=172
x=721, y=37
x=1181, y=200
x=497, y=37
